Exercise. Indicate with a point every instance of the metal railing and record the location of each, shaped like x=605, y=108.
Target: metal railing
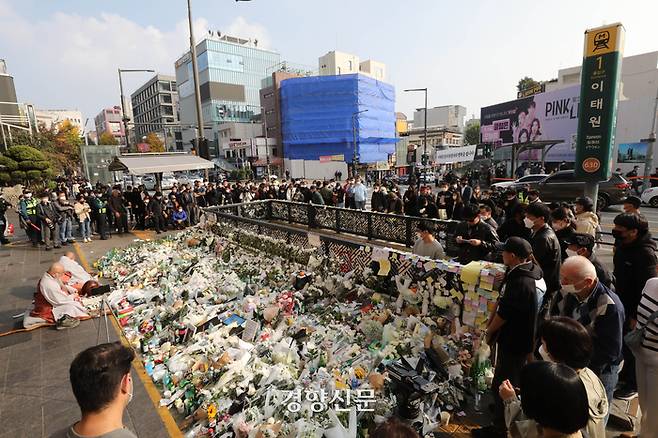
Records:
x=368, y=224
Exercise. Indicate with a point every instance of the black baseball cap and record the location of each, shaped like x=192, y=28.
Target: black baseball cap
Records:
x=518, y=246
x=581, y=239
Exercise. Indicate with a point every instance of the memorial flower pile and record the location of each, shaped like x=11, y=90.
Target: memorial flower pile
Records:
x=244, y=338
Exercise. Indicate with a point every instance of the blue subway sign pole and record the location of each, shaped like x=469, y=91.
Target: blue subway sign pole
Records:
x=597, y=114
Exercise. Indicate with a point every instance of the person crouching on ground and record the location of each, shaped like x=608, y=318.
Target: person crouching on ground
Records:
x=56, y=302
x=179, y=218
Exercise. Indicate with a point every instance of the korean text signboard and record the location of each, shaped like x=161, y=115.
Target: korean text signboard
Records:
x=599, y=89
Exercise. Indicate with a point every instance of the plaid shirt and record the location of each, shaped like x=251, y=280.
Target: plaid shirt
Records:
x=602, y=314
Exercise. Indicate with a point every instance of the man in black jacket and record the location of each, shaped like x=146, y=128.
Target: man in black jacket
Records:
x=155, y=210
x=476, y=240
x=117, y=206
x=49, y=218
x=513, y=325
x=545, y=248
x=377, y=201
x=634, y=263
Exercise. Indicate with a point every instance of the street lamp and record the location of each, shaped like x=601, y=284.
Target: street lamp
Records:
x=425, y=126
x=124, y=117
x=355, y=158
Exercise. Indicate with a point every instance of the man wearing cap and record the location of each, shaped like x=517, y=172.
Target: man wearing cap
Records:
x=632, y=205
x=583, y=245
x=514, y=323
x=427, y=245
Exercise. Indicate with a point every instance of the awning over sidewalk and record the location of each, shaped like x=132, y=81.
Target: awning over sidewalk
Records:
x=140, y=164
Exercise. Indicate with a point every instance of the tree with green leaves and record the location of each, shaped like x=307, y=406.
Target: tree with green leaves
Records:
x=526, y=83
x=25, y=165
x=155, y=144
x=472, y=134
x=106, y=138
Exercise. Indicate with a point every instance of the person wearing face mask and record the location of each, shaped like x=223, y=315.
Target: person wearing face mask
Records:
x=103, y=387
x=426, y=245
x=563, y=226
x=583, y=245
x=533, y=196
x=27, y=210
x=634, y=264
x=49, y=219
x=476, y=240
x=512, y=326
x=485, y=215
x=54, y=301
x=565, y=340
x=66, y=213
x=545, y=248
x=586, y=219
x=599, y=310
x=377, y=202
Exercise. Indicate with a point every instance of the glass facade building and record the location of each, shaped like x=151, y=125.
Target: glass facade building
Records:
x=230, y=74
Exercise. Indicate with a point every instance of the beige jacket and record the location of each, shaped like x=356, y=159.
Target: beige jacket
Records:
x=587, y=222
x=82, y=211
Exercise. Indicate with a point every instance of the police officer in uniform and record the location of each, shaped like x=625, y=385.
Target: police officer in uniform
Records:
x=28, y=212
x=100, y=207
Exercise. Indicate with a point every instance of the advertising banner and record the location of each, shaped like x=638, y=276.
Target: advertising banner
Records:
x=599, y=82
x=632, y=153
x=552, y=115
x=455, y=155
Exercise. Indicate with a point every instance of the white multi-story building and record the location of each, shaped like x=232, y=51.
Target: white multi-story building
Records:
x=51, y=118
x=340, y=63
x=636, y=111
x=446, y=116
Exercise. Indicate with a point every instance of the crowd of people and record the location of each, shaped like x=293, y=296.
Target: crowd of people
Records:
x=559, y=304
x=562, y=315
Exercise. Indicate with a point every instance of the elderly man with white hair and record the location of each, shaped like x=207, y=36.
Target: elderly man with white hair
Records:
x=587, y=300
x=56, y=302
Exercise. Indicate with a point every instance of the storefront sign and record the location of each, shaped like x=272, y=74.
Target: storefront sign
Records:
x=455, y=155
x=599, y=90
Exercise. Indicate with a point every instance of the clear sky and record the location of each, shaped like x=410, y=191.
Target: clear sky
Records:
x=65, y=53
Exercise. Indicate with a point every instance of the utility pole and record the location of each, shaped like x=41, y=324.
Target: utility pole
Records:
x=355, y=157
x=648, y=163
x=200, y=137
x=425, y=158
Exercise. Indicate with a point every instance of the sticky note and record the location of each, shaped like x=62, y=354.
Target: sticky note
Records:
x=384, y=267
x=471, y=273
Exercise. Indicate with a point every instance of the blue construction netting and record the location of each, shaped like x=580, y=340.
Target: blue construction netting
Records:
x=316, y=115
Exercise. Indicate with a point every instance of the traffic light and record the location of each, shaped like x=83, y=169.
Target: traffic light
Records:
x=203, y=150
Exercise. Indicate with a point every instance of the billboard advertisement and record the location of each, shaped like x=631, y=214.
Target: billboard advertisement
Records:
x=632, y=153
x=552, y=115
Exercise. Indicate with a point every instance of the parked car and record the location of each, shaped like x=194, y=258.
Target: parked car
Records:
x=650, y=196
x=188, y=179
x=149, y=182
x=562, y=186
x=168, y=181
x=519, y=182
